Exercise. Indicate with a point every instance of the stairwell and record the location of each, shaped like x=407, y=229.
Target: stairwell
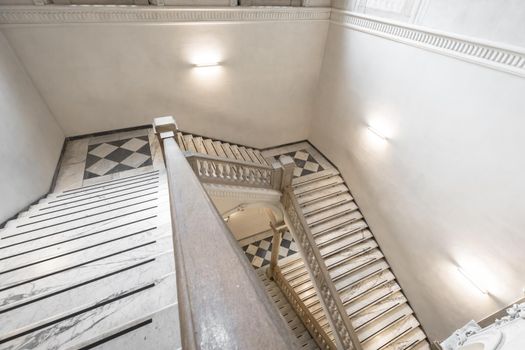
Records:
x=93, y=267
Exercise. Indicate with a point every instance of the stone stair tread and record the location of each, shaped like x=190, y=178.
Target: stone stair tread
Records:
x=377, y=310
x=81, y=326
x=336, y=222
x=323, y=204
x=387, y=319
x=350, y=252
x=391, y=335
x=365, y=285
x=323, y=194
x=301, y=190
x=334, y=243
x=347, y=280
x=369, y=299
x=155, y=331
x=347, y=267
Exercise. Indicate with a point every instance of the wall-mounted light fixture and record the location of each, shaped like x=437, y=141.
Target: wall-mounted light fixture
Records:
x=206, y=64
x=472, y=281
x=376, y=132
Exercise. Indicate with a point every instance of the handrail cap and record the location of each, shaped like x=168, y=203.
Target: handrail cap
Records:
x=165, y=124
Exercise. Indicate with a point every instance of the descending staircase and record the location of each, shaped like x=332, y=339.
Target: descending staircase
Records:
x=304, y=339
x=91, y=268
x=372, y=299
x=197, y=144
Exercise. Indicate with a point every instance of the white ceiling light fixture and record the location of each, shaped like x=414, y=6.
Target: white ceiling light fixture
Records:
x=472, y=281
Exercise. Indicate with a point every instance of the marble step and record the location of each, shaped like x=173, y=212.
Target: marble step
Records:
x=78, y=327
x=106, y=187
x=325, y=204
x=28, y=273
x=188, y=143
x=34, y=314
x=159, y=330
x=309, y=188
x=78, y=245
x=49, y=211
x=24, y=289
x=376, y=296
x=199, y=145
x=210, y=149
x=382, y=323
x=104, y=184
x=375, y=311
x=219, y=150
x=391, y=335
x=343, y=269
x=181, y=142
x=351, y=252
x=228, y=150
x=336, y=222
x=299, y=330
x=128, y=200
x=327, y=193
x=132, y=221
x=349, y=279
x=366, y=285
x=331, y=214
x=339, y=241
x=80, y=223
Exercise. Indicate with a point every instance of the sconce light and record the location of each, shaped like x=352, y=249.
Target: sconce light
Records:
x=471, y=280
x=206, y=64
x=376, y=132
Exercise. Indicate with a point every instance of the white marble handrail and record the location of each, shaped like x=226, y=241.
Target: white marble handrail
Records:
x=222, y=303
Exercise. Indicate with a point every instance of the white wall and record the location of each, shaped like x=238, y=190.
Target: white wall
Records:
x=107, y=76
x=30, y=138
x=447, y=187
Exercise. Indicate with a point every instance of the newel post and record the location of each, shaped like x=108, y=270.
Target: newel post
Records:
x=288, y=166
x=164, y=127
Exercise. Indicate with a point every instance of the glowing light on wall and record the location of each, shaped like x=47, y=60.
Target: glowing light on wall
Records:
x=376, y=132
x=473, y=280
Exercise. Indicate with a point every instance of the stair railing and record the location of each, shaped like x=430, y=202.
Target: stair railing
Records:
x=344, y=332
x=222, y=303
x=213, y=169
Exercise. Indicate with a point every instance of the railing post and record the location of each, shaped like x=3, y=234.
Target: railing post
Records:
x=288, y=166
x=276, y=246
x=164, y=127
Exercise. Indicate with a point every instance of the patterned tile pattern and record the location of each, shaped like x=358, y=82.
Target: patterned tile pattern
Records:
x=260, y=252
x=115, y=156
x=305, y=164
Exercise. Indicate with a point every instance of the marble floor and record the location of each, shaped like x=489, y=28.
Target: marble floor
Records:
x=259, y=251
x=96, y=159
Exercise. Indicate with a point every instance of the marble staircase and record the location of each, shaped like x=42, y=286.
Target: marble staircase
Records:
x=304, y=339
x=378, y=310
x=91, y=267
x=198, y=144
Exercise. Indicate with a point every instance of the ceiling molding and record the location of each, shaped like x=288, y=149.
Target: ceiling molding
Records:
x=496, y=56
x=23, y=15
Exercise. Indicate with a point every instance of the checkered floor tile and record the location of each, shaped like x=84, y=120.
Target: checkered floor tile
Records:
x=116, y=156
x=305, y=164
x=260, y=252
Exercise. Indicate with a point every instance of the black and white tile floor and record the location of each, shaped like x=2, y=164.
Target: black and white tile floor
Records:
x=259, y=253
x=305, y=163
x=115, y=156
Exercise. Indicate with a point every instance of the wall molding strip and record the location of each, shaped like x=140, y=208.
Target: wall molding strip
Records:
x=24, y=15
x=492, y=55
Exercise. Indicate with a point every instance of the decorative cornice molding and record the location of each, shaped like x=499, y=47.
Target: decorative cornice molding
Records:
x=495, y=56
x=131, y=14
